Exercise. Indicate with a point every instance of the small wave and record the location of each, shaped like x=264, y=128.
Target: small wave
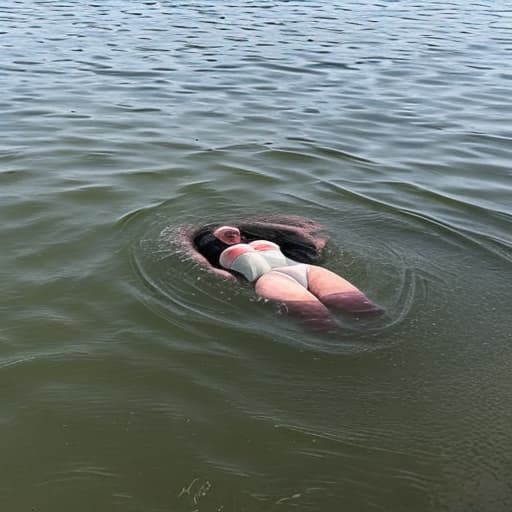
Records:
x=497, y=245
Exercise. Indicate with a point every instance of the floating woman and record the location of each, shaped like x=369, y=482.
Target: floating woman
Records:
x=279, y=258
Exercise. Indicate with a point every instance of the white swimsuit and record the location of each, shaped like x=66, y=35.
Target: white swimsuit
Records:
x=259, y=257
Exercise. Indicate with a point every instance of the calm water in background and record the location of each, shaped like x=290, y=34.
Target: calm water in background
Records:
x=130, y=380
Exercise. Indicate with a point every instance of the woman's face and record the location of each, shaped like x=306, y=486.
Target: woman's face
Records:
x=228, y=234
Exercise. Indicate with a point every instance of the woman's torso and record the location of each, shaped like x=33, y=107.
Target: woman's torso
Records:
x=254, y=259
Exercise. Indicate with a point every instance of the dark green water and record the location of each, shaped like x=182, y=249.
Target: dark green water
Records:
x=132, y=381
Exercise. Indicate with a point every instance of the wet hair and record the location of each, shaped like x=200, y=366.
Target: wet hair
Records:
x=292, y=242
x=208, y=244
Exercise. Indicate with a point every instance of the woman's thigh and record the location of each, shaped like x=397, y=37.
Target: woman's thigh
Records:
x=280, y=287
x=323, y=282
x=297, y=299
x=338, y=293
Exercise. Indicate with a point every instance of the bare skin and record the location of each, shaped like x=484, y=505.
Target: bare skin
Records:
x=325, y=288
x=228, y=234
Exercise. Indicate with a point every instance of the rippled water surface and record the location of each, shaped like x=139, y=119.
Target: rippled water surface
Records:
x=131, y=380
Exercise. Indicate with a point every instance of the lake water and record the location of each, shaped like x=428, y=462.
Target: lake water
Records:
x=131, y=380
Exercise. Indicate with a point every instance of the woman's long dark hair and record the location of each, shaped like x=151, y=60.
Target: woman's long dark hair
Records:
x=294, y=243
x=208, y=244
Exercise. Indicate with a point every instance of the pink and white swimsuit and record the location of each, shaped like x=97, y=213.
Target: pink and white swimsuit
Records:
x=256, y=258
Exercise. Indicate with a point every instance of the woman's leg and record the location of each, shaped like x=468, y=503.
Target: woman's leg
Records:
x=298, y=300
x=337, y=293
